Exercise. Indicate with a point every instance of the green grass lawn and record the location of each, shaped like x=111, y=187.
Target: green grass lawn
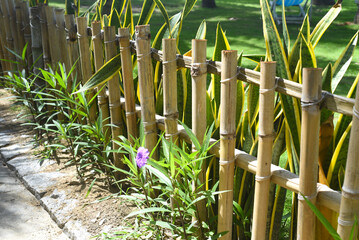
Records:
x=241, y=20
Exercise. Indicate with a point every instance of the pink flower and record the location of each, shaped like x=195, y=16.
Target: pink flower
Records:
x=142, y=156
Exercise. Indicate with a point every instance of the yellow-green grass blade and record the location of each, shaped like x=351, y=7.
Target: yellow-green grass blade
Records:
x=334, y=164
x=273, y=41
x=286, y=37
x=146, y=12
x=252, y=103
x=164, y=15
x=343, y=62
x=105, y=73
x=128, y=21
x=324, y=23
x=307, y=55
x=202, y=30
x=221, y=44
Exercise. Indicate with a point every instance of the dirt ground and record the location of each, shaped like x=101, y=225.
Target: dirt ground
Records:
x=102, y=210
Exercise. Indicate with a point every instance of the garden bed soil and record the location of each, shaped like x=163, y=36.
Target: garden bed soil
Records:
x=101, y=211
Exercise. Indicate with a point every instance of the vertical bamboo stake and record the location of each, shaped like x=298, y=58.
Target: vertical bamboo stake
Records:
x=73, y=48
x=114, y=95
x=265, y=133
x=102, y=96
x=127, y=77
x=61, y=33
x=19, y=26
x=227, y=142
x=27, y=30
x=36, y=39
x=145, y=77
x=12, y=19
x=52, y=36
x=45, y=38
x=85, y=57
x=199, y=117
x=9, y=39
x=4, y=65
x=170, y=88
x=309, y=151
x=349, y=207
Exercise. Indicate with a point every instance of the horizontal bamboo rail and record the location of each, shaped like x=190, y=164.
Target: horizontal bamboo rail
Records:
x=330, y=101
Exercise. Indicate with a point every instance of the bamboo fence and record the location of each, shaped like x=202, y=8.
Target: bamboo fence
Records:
x=53, y=36
x=266, y=137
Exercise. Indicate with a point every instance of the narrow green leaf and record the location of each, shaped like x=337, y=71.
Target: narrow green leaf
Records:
x=105, y=73
x=322, y=219
x=164, y=15
x=324, y=23
x=202, y=30
x=147, y=210
x=343, y=62
x=146, y=12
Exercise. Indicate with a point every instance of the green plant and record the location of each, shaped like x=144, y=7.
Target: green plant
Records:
x=162, y=190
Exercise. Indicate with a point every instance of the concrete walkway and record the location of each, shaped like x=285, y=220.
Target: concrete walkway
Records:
x=21, y=216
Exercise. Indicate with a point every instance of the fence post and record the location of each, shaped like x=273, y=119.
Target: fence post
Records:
x=266, y=136
x=73, y=46
x=4, y=65
x=145, y=77
x=19, y=26
x=309, y=151
x=52, y=36
x=9, y=39
x=45, y=38
x=12, y=19
x=102, y=98
x=127, y=78
x=85, y=59
x=170, y=110
x=36, y=40
x=114, y=97
x=199, y=117
x=227, y=141
x=61, y=34
x=349, y=207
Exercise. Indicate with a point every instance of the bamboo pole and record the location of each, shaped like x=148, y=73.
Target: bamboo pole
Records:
x=145, y=77
x=127, y=77
x=73, y=47
x=61, y=33
x=19, y=26
x=5, y=66
x=330, y=101
x=102, y=98
x=9, y=39
x=45, y=38
x=309, y=151
x=36, y=39
x=114, y=96
x=326, y=196
x=85, y=60
x=13, y=28
x=349, y=207
x=227, y=141
x=27, y=31
x=170, y=110
x=199, y=119
x=52, y=36
x=265, y=133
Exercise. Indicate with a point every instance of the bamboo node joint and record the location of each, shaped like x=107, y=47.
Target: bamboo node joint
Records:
x=198, y=69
